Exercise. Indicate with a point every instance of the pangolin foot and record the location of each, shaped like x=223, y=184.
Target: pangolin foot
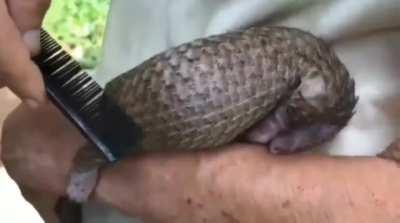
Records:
x=301, y=139
x=274, y=132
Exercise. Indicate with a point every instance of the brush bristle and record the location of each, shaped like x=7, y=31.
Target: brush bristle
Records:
x=81, y=99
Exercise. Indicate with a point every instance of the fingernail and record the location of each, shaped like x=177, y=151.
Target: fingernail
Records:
x=32, y=41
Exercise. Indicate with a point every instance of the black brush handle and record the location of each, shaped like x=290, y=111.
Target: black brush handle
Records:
x=87, y=131
x=82, y=101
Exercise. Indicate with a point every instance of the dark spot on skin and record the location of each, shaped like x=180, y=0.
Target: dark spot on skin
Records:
x=189, y=201
x=300, y=188
x=286, y=204
x=229, y=217
x=380, y=203
x=200, y=205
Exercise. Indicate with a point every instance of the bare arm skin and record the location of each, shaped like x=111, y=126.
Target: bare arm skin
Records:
x=246, y=184
x=242, y=183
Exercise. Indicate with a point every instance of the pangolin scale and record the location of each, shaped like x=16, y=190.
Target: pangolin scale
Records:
x=208, y=92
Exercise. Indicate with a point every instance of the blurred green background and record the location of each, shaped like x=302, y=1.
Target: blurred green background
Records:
x=79, y=26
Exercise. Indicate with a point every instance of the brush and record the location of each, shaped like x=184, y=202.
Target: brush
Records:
x=81, y=99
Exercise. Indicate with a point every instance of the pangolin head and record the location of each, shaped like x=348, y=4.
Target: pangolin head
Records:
x=326, y=93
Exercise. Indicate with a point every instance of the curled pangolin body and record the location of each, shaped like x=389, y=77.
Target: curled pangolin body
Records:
x=207, y=92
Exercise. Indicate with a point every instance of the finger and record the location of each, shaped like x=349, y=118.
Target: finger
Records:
x=28, y=17
x=18, y=71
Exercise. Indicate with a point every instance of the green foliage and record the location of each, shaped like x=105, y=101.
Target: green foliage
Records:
x=79, y=26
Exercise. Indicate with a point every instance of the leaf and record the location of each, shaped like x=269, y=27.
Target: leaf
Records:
x=79, y=24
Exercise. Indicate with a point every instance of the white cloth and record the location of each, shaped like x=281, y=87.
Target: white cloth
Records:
x=364, y=33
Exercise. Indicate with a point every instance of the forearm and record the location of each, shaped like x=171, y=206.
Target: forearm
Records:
x=152, y=187
x=248, y=185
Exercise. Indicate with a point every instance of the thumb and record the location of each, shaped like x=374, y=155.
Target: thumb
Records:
x=20, y=20
x=28, y=17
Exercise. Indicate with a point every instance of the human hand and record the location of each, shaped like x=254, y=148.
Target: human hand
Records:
x=20, y=21
x=38, y=152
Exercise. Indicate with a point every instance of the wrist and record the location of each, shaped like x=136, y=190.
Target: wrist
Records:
x=149, y=185
x=122, y=185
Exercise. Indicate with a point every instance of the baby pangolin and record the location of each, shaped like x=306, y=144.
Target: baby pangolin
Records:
x=278, y=86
